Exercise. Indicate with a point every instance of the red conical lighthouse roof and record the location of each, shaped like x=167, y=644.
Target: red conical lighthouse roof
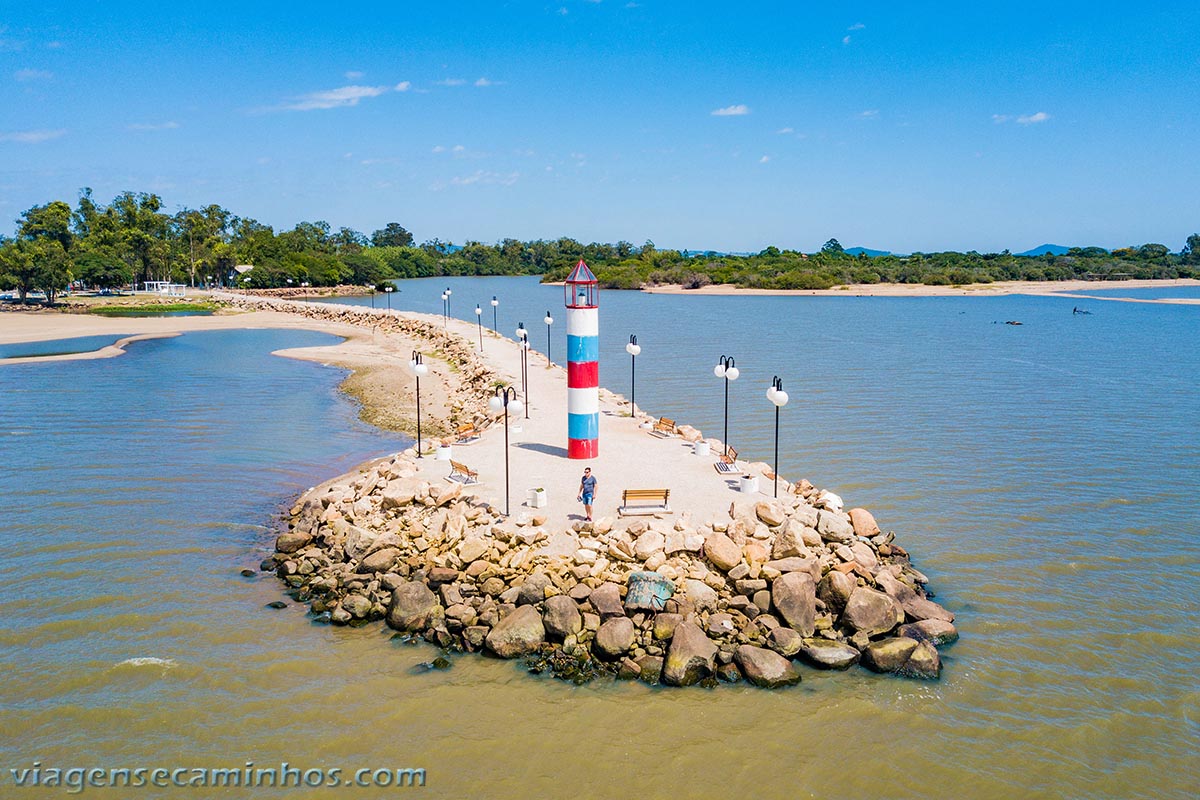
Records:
x=581, y=274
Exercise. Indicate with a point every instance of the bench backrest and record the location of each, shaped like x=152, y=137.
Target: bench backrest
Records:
x=645, y=494
x=663, y=422
x=463, y=468
x=468, y=428
x=731, y=457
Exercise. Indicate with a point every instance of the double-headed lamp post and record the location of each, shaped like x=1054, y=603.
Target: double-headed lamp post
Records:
x=725, y=369
x=495, y=303
x=549, y=320
x=448, y=293
x=634, y=350
x=388, y=291
x=417, y=365
x=445, y=306
x=779, y=397
x=479, y=324
x=523, y=340
x=500, y=401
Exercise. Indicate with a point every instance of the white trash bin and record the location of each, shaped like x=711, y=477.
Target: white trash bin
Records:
x=748, y=484
x=444, y=452
x=701, y=448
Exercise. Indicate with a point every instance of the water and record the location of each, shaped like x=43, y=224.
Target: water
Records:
x=1146, y=293
x=1044, y=476
x=56, y=347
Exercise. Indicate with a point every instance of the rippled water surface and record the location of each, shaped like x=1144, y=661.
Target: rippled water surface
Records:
x=1043, y=475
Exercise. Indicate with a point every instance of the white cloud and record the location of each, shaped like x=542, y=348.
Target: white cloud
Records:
x=786, y=130
x=764, y=159
x=485, y=82
x=845, y=40
x=26, y=75
x=1031, y=119
x=485, y=177
x=870, y=113
x=451, y=82
x=153, y=126
x=438, y=149
x=32, y=137
x=53, y=45
x=334, y=98
x=402, y=86
x=1000, y=119
x=858, y=26
x=353, y=75
x=458, y=148
x=563, y=11
x=739, y=110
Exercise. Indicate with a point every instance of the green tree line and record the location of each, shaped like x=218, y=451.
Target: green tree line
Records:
x=133, y=240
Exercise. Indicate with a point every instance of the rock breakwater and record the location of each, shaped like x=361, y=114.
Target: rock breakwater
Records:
x=668, y=599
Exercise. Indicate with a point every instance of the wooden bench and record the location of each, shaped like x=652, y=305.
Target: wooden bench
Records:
x=656, y=498
x=727, y=462
x=465, y=473
x=663, y=428
x=466, y=434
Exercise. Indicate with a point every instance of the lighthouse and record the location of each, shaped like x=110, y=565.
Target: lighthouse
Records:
x=581, y=293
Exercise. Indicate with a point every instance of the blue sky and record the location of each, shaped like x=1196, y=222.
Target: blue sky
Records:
x=904, y=126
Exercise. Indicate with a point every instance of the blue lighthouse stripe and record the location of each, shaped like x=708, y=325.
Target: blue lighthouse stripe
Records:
x=583, y=348
x=583, y=426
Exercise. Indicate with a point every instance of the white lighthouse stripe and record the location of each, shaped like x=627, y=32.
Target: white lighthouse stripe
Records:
x=583, y=322
x=583, y=401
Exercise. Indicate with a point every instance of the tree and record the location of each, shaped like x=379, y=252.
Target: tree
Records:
x=52, y=268
x=349, y=241
x=1149, y=251
x=51, y=221
x=833, y=247
x=1191, y=250
x=102, y=271
x=392, y=235
x=16, y=264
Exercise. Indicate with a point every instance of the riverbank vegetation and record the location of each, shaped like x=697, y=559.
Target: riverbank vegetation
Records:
x=133, y=240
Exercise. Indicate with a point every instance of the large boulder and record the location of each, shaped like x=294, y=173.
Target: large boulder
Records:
x=888, y=655
x=399, y=494
x=835, y=590
x=826, y=654
x=786, y=641
x=916, y=607
x=292, y=541
x=771, y=512
x=690, y=656
x=702, y=596
x=379, y=561
x=614, y=638
x=871, y=612
x=606, y=599
x=647, y=591
x=834, y=527
x=795, y=598
x=722, y=552
x=765, y=668
x=561, y=617
x=935, y=631
x=413, y=607
x=923, y=663
x=518, y=634
x=648, y=543
x=864, y=524
x=533, y=590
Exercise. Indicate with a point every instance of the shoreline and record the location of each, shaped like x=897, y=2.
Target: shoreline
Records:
x=997, y=289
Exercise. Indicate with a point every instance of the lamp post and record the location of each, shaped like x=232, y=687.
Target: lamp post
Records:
x=388, y=291
x=725, y=369
x=495, y=303
x=500, y=401
x=523, y=338
x=372, y=298
x=479, y=323
x=634, y=350
x=445, y=305
x=417, y=365
x=549, y=320
x=779, y=397
x=448, y=293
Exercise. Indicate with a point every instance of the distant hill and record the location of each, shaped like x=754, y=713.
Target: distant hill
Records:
x=1041, y=250
x=855, y=251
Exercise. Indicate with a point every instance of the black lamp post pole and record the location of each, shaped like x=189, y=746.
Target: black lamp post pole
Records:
x=416, y=360
x=495, y=303
x=479, y=324
x=726, y=362
x=778, y=387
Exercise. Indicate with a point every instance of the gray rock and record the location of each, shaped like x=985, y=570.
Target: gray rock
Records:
x=702, y=596
x=795, y=598
x=651, y=669
x=292, y=541
x=379, y=561
x=357, y=605
x=786, y=641
x=923, y=663
x=518, y=634
x=824, y=654
x=614, y=638
x=690, y=657
x=561, y=617
x=533, y=590
x=606, y=599
x=665, y=624
x=413, y=607
x=871, y=612
x=835, y=590
x=834, y=527
x=889, y=655
x=935, y=631
x=765, y=668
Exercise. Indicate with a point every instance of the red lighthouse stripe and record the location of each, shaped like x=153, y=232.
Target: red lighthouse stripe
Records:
x=583, y=374
x=583, y=448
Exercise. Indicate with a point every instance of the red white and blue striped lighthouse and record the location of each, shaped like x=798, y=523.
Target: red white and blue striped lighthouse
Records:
x=583, y=363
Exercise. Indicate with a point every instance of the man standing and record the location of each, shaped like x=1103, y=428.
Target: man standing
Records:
x=587, y=491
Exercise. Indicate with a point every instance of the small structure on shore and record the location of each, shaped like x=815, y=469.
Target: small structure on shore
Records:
x=582, y=294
